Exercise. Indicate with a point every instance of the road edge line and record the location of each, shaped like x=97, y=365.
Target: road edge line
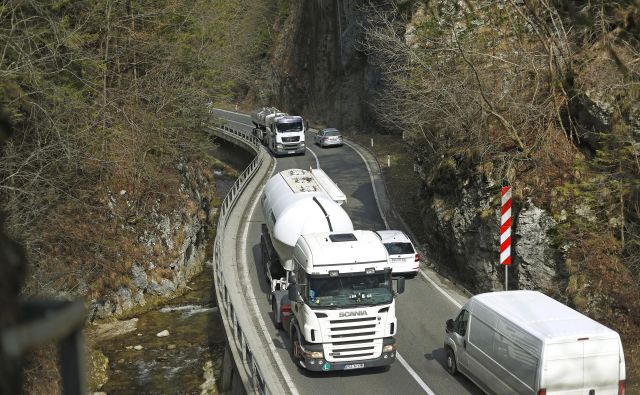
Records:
x=415, y=375
x=373, y=184
x=254, y=304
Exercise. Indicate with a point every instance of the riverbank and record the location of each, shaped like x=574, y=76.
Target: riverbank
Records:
x=175, y=345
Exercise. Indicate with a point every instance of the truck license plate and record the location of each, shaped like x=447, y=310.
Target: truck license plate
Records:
x=354, y=366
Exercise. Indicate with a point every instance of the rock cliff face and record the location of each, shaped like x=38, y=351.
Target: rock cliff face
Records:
x=317, y=68
x=463, y=236
x=173, y=244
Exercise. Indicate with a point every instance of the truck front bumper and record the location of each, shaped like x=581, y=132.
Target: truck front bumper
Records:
x=322, y=365
x=290, y=149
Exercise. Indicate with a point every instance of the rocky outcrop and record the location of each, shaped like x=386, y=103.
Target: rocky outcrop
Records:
x=318, y=69
x=463, y=232
x=537, y=261
x=172, y=243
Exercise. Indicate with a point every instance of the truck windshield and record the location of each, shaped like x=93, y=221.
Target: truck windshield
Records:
x=289, y=127
x=350, y=290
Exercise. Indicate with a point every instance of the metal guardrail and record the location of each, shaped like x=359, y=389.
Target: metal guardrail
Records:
x=228, y=302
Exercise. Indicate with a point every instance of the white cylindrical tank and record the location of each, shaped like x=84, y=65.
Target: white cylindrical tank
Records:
x=259, y=116
x=294, y=203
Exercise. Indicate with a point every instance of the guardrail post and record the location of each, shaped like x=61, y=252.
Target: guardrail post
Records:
x=227, y=370
x=73, y=372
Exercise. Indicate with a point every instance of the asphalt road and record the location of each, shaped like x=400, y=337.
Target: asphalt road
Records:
x=421, y=310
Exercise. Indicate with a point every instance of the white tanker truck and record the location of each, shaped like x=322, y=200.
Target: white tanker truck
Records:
x=331, y=286
x=282, y=133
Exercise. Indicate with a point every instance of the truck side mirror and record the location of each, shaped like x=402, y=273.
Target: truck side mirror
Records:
x=292, y=289
x=449, y=327
x=400, y=285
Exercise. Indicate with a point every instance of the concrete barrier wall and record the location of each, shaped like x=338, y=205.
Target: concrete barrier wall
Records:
x=255, y=367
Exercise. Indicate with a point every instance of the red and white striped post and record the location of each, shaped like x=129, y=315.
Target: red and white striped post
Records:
x=505, y=233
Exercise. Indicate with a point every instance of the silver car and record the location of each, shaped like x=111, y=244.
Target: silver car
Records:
x=327, y=137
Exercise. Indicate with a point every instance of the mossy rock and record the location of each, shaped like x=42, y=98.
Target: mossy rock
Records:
x=98, y=369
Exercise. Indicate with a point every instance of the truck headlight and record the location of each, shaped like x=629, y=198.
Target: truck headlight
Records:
x=314, y=354
x=389, y=348
x=278, y=145
x=302, y=144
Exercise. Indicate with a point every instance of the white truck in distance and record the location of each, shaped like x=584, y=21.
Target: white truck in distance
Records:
x=282, y=133
x=331, y=286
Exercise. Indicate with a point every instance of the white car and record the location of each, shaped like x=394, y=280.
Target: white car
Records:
x=403, y=257
x=327, y=137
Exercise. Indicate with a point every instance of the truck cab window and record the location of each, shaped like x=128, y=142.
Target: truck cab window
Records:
x=460, y=325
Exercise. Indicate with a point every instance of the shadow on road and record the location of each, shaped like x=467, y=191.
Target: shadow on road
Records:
x=440, y=355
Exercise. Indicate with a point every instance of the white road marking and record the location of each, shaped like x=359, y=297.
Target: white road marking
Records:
x=439, y=288
x=315, y=156
x=254, y=304
x=386, y=224
x=229, y=112
x=239, y=123
x=373, y=185
x=404, y=363
x=413, y=374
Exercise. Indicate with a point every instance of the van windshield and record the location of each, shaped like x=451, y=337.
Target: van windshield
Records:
x=350, y=290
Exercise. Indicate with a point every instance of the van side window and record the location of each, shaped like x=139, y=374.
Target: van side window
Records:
x=460, y=325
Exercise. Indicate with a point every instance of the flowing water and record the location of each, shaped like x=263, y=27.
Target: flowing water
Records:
x=188, y=360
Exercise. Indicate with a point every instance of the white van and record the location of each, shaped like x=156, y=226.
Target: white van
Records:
x=524, y=342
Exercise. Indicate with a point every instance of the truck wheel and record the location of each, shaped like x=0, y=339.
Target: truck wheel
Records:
x=274, y=308
x=452, y=366
x=295, y=347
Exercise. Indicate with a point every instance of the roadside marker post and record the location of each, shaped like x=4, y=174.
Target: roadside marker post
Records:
x=505, y=233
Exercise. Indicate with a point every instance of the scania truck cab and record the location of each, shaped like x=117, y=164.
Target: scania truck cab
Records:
x=341, y=302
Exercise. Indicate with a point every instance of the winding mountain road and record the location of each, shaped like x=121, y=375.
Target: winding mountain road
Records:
x=422, y=310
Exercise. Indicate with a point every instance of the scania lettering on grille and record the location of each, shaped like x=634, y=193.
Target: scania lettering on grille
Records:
x=352, y=313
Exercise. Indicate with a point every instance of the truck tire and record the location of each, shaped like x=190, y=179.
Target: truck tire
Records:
x=276, y=313
x=295, y=348
x=452, y=365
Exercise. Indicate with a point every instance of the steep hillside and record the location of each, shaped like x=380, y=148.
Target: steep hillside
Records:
x=316, y=67
x=107, y=181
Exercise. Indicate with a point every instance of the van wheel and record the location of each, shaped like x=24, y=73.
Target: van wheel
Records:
x=274, y=308
x=452, y=366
